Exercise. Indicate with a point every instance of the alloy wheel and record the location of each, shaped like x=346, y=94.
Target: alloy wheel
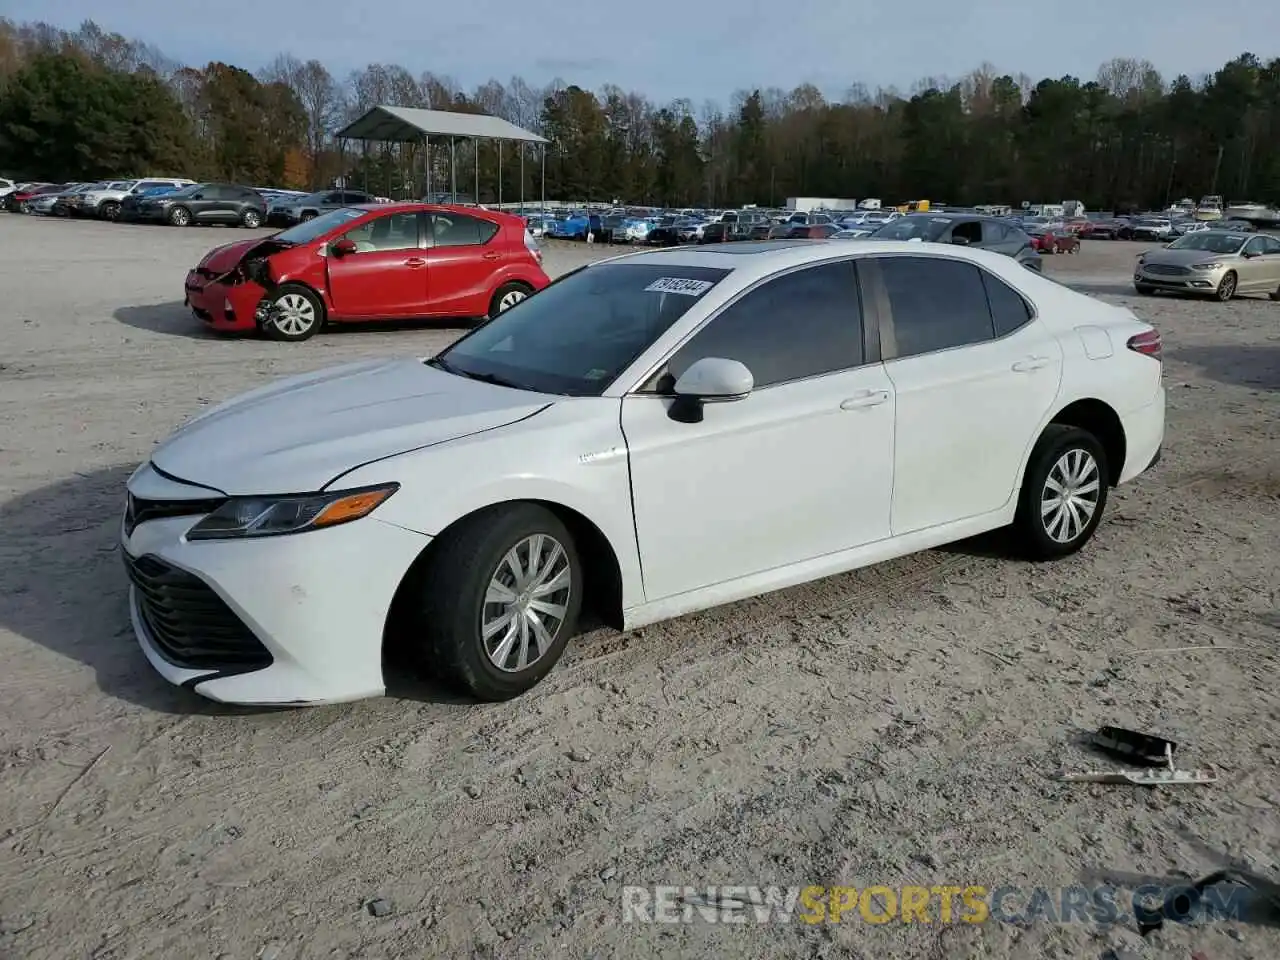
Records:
x=293, y=314
x=525, y=603
x=1228, y=287
x=1070, y=495
x=510, y=299
x=252, y=220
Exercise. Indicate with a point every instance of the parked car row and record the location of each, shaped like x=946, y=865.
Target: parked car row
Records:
x=174, y=201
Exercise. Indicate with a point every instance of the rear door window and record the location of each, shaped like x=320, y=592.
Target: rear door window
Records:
x=936, y=303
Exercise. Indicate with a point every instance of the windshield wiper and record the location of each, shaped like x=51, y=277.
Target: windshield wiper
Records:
x=442, y=364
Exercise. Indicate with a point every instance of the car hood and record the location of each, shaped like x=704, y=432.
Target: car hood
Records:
x=299, y=434
x=1182, y=258
x=226, y=257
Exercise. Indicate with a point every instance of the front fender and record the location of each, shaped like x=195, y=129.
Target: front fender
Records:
x=572, y=454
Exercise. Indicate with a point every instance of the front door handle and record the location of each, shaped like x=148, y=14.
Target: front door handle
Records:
x=415, y=262
x=1030, y=364
x=867, y=398
x=492, y=255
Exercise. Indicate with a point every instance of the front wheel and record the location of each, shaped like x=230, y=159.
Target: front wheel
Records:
x=180, y=217
x=292, y=313
x=500, y=595
x=1227, y=288
x=1063, y=493
x=1144, y=289
x=506, y=297
x=110, y=210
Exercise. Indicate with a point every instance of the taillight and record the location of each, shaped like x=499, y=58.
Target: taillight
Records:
x=1147, y=343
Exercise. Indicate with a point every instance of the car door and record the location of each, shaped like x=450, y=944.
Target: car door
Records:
x=462, y=255
x=800, y=468
x=974, y=374
x=1253, y=269
x=1269, y=265
x=386, y=276
x=212, y=204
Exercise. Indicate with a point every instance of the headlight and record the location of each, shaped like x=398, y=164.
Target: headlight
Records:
x=1205, y=266
x=242, y=517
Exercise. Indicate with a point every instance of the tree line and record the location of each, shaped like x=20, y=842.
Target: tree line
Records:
x=86, y=104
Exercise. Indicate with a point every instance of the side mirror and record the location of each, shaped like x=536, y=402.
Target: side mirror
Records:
x=962, y=241
x=343, y=247
x=198, y=196
x=709, y=380
x=1249, y=254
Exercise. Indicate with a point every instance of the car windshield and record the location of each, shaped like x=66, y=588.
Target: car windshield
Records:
x=913, y=228
x=576, y=336
x=1210, y=242
x=309, y=230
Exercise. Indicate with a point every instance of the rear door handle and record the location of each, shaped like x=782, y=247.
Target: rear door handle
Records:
x=867, y=398
x=415, y=262
x=1030, y=364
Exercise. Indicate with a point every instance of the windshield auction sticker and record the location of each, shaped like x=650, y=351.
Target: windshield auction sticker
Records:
x=690, y=288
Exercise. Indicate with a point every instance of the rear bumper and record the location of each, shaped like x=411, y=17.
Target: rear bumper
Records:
x=1144, y=436
x=231, y=308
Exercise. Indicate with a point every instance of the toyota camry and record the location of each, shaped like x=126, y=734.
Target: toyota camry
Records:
x=648, y=436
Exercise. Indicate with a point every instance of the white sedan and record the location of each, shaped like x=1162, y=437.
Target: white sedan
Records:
x=651, y=435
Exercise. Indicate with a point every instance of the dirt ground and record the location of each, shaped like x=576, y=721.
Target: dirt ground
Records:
x=890, y=726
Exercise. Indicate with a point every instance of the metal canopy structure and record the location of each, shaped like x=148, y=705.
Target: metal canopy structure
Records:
x=390, y=124
x=409, y=125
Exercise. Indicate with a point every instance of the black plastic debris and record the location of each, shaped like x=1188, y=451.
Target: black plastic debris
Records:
x=1141, y=749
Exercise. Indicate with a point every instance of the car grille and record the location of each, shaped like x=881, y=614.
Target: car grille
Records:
x=1166, y=269
x=138, y=510
x=189, y=624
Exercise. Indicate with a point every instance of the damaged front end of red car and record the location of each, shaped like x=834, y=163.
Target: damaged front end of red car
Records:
x=229, y=289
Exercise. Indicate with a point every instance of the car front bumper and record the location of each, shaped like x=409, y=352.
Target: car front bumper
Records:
x=226, y=307
x=296, y=619
x=1194, y=281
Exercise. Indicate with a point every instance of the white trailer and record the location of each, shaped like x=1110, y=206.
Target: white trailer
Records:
x=810, y=204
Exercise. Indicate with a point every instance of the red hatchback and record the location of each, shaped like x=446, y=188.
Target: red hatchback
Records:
x=371, y=262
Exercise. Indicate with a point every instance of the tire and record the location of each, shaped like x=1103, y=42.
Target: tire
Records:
x=1145, y=289
x=251, y=219
x=24, y=207
x=109, y=210
x=1275, y=294
x=179, y=217
x=507, y=296
x=1227, y=288
x=1061, y=453
x=294, y=313
x=307, y=215
x=452, y=611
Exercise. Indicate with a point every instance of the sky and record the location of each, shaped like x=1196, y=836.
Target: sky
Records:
x=695, y=49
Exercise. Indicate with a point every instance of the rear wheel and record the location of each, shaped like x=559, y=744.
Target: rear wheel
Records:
x=308, y=215
x=499, y=600
x=507, y=296
x=251, y=218
x=1227, y=288
x=293, y=313
x=1063, y=493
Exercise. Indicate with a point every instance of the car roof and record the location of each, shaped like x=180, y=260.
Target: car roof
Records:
x=411, y=206
x=764, y=257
